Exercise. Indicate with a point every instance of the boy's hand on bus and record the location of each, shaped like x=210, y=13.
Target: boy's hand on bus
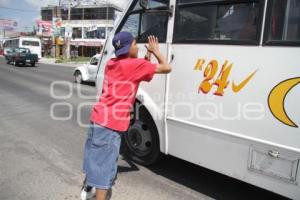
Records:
x=153, y=46
x=148, y=54
x=163, y=66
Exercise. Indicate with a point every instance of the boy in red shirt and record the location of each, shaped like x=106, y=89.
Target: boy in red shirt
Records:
x=111, y=115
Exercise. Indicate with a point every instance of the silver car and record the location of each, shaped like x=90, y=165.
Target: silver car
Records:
x=88, y=71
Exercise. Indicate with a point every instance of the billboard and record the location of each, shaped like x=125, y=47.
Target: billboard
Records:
x=44, y=28
x=8, y=24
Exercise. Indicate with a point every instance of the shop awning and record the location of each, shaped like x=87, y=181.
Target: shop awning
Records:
x=86, y=43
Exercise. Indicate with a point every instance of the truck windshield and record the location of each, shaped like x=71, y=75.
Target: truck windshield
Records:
x=23, y=50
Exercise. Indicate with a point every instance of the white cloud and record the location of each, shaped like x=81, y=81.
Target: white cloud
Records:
x=120, y=3
x=41, y=3
x=4, y=2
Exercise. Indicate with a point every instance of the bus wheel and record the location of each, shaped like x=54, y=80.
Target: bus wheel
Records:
x=141, y=142
x=33, y=64
x=78, y=77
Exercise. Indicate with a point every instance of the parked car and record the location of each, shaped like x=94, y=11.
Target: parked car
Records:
x=21, y=55
x=87, y=72
x=6, y=51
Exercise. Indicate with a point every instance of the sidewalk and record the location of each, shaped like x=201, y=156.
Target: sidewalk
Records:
x=51, y=61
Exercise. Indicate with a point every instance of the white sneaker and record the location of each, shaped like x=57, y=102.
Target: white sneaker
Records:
x=87, y=192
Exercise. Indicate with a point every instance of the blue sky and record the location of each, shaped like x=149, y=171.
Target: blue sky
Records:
x=26, y=19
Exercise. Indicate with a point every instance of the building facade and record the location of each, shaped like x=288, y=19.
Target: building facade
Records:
x=89, y=26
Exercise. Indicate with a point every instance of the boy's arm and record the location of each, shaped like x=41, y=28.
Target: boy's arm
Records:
x=163, y=67
x=147, y=55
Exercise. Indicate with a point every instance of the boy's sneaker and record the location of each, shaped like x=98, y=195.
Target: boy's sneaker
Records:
x=87, y=192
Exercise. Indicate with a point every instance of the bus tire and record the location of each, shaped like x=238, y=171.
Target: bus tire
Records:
x=33, y=64
x=141, y=142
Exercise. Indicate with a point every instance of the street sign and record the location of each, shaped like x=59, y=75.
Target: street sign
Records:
x=68, y=32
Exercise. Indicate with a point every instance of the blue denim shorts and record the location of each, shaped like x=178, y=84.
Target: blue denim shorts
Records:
x=101, y=153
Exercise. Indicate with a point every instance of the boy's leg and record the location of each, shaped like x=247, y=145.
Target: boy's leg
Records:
x=100, y=159
x=101, y=194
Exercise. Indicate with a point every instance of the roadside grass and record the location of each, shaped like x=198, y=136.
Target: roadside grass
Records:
x=79, y=59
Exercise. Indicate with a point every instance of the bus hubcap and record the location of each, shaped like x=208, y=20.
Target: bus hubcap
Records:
x=139, y=138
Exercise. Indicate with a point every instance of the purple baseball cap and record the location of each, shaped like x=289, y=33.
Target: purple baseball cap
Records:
x=122, y=42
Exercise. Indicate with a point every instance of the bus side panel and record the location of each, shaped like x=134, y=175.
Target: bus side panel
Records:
x=244, y=106
x=226, y=155
x=230, y=123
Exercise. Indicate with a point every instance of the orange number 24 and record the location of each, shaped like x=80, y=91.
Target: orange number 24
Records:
x=210, y=72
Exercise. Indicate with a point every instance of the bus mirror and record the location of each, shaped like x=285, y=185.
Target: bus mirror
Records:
x=144, y=4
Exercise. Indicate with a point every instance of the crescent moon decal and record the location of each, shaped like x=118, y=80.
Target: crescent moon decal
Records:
x=277, y=98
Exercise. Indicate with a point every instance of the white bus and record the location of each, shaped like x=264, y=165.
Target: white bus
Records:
x=231, y=102
x=32, y=43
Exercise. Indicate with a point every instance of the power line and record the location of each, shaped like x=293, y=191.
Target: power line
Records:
x=17, y=9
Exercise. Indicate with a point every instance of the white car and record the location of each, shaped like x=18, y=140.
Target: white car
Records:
x=87, y=72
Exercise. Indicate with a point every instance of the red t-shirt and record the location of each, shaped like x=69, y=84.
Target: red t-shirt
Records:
x=120, y=85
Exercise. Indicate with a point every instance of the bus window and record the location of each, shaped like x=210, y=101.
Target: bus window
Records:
x=219, y=22
x=14, y=43
x=152, y=21
x=30, y=43
x=283, y=26
x=154, y=24
x=132, y=24
x=152, y=4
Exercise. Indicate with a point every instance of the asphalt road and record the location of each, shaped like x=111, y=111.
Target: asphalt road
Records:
x=41, y=143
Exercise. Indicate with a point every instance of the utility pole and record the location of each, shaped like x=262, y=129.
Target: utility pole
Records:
x=68, y=29
x=54, y=37
x=106, y=30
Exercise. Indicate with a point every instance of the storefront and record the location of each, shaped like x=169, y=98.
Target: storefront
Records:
x=86, y=48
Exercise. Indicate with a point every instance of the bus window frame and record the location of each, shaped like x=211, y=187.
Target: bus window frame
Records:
x=140, y=12
x=268, y=20
x=255, y=42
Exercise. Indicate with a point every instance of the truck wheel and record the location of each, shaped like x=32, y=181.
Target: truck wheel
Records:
x=33, y=64
x=78, y=77
x=16, y=63
x=141, y=142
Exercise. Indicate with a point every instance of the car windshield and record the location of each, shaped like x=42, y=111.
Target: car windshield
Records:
x=94, y=61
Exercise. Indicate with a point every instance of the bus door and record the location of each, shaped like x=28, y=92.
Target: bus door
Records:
x=143, y=20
